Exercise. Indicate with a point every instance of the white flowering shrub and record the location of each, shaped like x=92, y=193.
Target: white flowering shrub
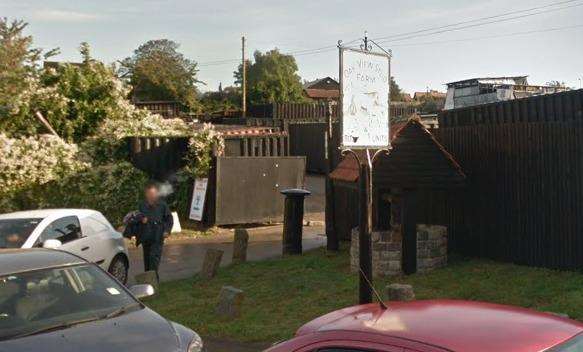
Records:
x=36, y=160
x=107, y=145
x=201, y=148
x=142, y=124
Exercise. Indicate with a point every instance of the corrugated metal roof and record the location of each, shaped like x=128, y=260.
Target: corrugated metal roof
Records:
x=495, y=80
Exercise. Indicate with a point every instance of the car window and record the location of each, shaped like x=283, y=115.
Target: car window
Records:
x=573, y=345
x=65, y=229
x=35, y=300
x=14, y=232
x=95, y=225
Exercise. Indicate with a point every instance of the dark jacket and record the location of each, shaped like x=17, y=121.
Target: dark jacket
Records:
x=132, y=222
x=159, y=222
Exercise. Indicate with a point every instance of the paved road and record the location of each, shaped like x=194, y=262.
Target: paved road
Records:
x=183, y=258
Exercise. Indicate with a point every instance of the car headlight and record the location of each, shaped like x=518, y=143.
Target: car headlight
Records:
x=196, y=344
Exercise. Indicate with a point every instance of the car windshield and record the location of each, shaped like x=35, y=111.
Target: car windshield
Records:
x=50, y=299
x=573, y=345
x=14, y=232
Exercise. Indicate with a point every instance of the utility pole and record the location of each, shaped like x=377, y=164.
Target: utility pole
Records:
x=244, y=83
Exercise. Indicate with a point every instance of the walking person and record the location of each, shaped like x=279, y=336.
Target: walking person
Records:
x=156, y=224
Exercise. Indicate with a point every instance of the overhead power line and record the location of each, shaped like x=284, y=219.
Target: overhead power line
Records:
x=513, y=34
x=476, y=20
x=483, y=21
x=477, y=24
x=295, y=53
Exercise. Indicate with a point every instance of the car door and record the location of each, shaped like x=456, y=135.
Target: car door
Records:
x=99, y=238
x=67, y=229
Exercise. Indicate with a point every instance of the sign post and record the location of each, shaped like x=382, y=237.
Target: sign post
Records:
x=364, y=123
x=198, y=198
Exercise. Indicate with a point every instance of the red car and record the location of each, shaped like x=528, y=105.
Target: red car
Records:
x=436, y=326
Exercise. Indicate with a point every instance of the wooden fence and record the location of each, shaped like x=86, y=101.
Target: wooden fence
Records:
x=315, y=110
x=524, y=196
x=166, y=109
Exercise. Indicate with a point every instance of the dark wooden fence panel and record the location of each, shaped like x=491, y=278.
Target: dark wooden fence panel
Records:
x=159, y=157
x=248, y=188
x=524, y=196
x=308, y=139
x=261, y=145
x=316, y=110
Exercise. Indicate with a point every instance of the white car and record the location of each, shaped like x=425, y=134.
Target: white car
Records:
x=83, y=232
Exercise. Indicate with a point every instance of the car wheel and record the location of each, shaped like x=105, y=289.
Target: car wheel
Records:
x=119, y=269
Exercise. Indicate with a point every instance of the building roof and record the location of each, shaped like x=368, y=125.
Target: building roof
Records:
x=416, y=159
x=323, y=88
x=347, y=170
x=521, y=80
x=21, y=260
x=452, y=325
x=322, y=93
x=406, y=97
x=322, y=82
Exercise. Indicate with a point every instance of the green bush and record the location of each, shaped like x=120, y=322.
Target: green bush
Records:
x=179, y=199
x=113, y=189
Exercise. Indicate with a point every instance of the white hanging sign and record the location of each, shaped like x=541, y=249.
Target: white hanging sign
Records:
x=364, y=84
x=198, y=197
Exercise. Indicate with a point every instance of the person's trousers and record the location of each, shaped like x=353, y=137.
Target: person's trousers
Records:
x=152, y=256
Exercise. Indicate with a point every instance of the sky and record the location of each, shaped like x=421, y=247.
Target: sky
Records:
x=545, y=44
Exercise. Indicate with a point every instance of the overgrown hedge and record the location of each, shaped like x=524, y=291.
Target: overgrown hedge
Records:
x=113, y=189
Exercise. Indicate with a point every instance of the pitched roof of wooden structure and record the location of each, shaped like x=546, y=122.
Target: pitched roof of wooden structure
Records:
x=416, y=160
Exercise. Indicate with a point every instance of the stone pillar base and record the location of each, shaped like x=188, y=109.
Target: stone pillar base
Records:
x=387, y=246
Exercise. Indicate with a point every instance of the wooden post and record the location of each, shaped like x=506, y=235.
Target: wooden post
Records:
x=240, y=243
x=244, y=83
x=365, y=256
x=332, y=243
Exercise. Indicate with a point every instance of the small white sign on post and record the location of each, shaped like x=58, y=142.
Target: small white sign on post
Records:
x=198, y=197
x=364, y=85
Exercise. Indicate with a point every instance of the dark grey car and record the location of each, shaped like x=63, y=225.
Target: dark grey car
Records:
x=55, y=301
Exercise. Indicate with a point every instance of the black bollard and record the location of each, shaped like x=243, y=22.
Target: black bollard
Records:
x=293, y=219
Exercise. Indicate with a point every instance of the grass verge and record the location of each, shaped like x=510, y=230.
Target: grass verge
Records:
x=282, y=294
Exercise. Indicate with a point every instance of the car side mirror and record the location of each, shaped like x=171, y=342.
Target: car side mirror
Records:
x=142, y=291
x=52, y=244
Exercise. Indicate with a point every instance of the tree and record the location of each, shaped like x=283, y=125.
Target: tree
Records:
x=92, y=93
x=395, y=91
x=19, y=68
x=228, y=98
x=272, y=77
x=430, y=105
x=74, y=98
x=157, y=71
